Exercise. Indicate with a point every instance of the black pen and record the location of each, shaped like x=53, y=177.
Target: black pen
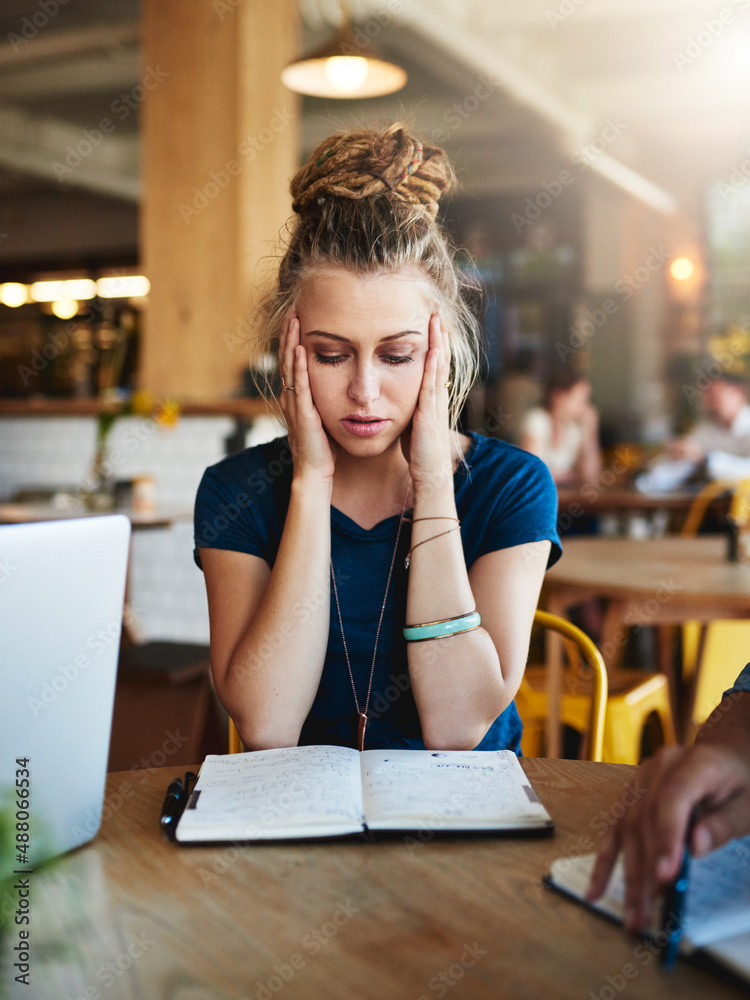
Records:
x=675, y=902
x=173, y=805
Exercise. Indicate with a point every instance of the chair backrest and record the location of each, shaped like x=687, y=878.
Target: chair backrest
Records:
x=590, y=653
x=593, y=657
x=700, y=503
x=723, y=651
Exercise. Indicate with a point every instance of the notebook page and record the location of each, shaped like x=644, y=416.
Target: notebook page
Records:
x=452, y=790
x=718, y=901
x=270, y=794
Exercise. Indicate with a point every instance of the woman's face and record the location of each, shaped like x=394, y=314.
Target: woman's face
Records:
x=366, y=341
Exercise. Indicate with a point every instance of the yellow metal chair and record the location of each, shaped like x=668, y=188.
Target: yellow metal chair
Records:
x=630, y=700
x=595, y=706
x=712, y=655
x=531, y=699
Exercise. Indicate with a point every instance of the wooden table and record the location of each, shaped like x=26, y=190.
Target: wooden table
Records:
x=624, y=502
x=661, y=581
x=32, y=513
x=133, y=917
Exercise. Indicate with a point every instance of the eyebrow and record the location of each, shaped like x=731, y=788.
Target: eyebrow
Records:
x=345, y=340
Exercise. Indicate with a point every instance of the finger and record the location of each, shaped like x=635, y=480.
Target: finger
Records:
x=291, y=341
x=721, y=825
x=302, y=391
x=446, y=353
x=605, y=862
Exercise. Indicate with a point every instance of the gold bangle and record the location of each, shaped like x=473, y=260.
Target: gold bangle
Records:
x=432, y=538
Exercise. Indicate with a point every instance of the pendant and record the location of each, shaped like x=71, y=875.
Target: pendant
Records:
x=361, y=731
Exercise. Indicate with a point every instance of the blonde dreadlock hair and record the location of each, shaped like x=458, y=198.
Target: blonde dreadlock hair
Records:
x=366, y=201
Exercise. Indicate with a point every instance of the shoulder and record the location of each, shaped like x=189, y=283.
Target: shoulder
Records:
x=265, y=463
x=493, y=458
x=505, y=496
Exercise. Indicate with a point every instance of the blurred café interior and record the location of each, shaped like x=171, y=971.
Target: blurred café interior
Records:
x=603, y=154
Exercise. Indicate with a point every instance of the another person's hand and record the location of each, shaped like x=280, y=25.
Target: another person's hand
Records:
x=428, y=441
x=313, y=451
x=685, y=448
x=710, y=779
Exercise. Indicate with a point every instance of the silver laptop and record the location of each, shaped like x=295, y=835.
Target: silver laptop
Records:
x=62, y=585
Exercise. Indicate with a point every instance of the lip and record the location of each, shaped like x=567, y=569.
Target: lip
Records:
x=363, y=425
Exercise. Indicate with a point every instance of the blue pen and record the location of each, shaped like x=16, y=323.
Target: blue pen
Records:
x=673, y=912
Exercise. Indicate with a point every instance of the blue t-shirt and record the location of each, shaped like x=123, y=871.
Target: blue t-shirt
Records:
x=505, y=497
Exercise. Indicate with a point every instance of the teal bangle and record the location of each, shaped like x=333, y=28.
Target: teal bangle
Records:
x=439, y=630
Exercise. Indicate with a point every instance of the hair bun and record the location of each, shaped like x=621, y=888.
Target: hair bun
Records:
x=362, y=164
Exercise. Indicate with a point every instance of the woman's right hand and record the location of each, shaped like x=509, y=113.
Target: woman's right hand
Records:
x=313, y=452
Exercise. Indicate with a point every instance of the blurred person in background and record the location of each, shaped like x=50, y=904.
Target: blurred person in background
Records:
x=564, y=433
x=718, y=447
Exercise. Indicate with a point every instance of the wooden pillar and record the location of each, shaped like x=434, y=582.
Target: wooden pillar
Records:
x=220, y=140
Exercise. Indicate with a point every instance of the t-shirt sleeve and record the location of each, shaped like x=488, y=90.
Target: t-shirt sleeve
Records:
x=525, y=510
x=224, y=518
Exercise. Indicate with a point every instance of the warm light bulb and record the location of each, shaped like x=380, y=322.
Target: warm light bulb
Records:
x=65, y=308
x=682, y=269
x=123, y=286
x=346, y=73
x=13, y=294
x=71, y=288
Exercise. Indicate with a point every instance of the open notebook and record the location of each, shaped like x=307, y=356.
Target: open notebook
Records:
x=717, y=914
x=328, y=791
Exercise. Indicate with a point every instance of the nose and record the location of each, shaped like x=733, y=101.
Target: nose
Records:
x=364, y=387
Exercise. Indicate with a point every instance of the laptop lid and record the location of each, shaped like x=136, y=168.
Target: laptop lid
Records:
x=62, y=587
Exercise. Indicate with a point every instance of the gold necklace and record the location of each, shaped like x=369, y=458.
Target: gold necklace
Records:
x=362, y=713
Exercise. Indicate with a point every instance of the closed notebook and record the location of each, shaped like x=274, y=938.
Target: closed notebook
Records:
x=717, y=911
x=328, y=791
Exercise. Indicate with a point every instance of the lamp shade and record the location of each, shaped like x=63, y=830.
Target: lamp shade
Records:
x=341, y=70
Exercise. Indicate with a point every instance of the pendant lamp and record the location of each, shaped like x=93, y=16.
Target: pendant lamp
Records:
x=344, y=68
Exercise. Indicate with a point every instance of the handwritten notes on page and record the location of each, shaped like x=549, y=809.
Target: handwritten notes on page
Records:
x=451, y=790
x=305, y=791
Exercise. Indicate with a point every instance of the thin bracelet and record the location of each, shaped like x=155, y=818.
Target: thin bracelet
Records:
x=443, y=628
x=437, y=518
x=432, y=538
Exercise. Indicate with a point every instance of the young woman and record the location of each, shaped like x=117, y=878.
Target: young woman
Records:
x=305, y=542
x=565, y=432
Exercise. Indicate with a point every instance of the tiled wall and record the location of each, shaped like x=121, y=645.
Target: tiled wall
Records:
x=166, y=587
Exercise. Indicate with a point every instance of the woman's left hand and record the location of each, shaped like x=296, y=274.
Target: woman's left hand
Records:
x=427, y=443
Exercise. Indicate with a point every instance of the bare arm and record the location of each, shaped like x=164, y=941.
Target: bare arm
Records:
x=269, y=628
x=461, y=683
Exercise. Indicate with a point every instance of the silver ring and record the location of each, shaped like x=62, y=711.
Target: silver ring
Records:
x=289, y=388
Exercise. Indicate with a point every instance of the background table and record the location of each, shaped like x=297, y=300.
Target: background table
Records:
x=661, y=581
x=133, y=917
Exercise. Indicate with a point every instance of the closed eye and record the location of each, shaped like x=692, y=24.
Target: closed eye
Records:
x=398, y=359
x=329, y=359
